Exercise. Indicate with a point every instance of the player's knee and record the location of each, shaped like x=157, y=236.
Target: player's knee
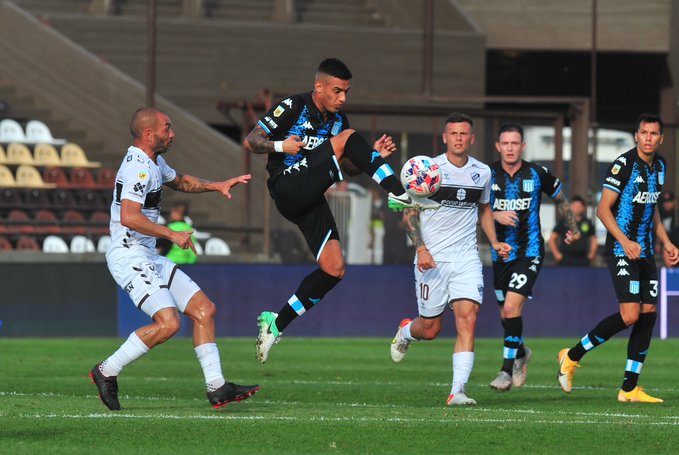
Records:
x=430, y=333
x=338, y=142
x=167, y=328
x=630, y=318
x=205, y=311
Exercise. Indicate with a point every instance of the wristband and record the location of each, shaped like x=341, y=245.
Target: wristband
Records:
x=278, y=146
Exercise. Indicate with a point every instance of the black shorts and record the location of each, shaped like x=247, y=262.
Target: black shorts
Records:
x=634, y=281
x=299, y=195
x=516, y=276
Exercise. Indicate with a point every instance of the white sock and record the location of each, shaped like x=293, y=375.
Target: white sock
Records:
x=463, y=363
x=208, y=356
x=128, y=352
x=405, y=333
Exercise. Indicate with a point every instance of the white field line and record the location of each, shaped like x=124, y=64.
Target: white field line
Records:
x=428, y=420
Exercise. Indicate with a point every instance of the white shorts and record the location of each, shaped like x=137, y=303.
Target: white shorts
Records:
x=439, y=287
x=142, y=274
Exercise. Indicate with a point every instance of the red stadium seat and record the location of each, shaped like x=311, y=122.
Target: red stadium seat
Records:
x=27, y=243
x=82, y=178
x=106, y=178
x=55, y=175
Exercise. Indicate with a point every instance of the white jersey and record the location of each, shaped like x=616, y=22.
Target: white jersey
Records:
x=141, y=180
x=450, y=232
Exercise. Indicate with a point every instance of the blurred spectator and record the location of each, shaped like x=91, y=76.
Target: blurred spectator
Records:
x=667, y=209
x=178, y=222
x=581, y=252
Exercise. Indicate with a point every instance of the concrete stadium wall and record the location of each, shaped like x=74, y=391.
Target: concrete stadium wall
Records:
x=43, y=300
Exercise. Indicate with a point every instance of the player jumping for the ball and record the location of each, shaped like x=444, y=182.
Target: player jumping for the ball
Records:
x=310, y=147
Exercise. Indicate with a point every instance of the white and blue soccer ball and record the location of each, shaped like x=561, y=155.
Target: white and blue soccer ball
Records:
x=420, y=176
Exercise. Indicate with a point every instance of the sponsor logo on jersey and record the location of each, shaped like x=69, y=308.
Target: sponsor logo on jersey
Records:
x=312, y=142
x=494, y=187
x=615, y=169
x=622, y=263
x=528, y=185
x=336, y=127
x=307, y=125
x=646, y=197
x=634, y=287
x=512, y=204
x=278, y=111
x=461, y=194
x=661, y=178
x=287, y=102
x=475, y=177
x=143, y=175
x=613, y=181
x=639, y=179
x=622, y=159
x=271, y=122
x=623, y=272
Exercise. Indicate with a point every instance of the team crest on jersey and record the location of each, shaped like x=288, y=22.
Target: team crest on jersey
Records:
x=661, y=178
x=287, y=102
x=336, y=127
x=278, y=111
x=615, y=169
x=528, y=186
x=475, y=177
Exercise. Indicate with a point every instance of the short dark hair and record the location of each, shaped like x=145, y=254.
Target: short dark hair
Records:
x=459, y=117
x=336, y=68
x=649, y=118
x=577, y=198
x=510, y=128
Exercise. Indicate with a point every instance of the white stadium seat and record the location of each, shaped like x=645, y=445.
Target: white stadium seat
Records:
x=54, y=244
x=11, y=131
x=217, y=247
x=37, y=132
x=81, y=244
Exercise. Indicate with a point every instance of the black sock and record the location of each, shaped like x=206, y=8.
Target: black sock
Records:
x=312, y=289
x=359, y=152
x=605, y=329
x=637, y=348
x=513, y=340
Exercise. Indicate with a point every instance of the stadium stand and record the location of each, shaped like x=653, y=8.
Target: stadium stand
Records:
x=106, y=178
x=19, y=153
x=73, y=155
x=46, y=223
x=90, y=200
x=46, y=155
x=28, y=176
x=10, y=198
x=63, y=199
x=82, y=177
x=6, y=177
x=217, y=247
x=27, y=243
x=57, y=176
x=19, y=222
x=37, y=199
x=82, y=244
x=11, y=131
x=5, y=245
x=37, y=131
x=103, y=243
x=54, y=244
x=3, y=155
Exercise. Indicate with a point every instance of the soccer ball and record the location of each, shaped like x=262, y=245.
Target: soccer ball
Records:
x=420, y=176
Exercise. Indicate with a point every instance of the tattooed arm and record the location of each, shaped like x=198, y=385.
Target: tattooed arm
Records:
x=564, y=207
x=411, y=219
x=258, y=142
x=190, y=184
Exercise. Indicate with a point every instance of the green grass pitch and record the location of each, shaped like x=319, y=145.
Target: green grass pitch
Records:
x=341, y=396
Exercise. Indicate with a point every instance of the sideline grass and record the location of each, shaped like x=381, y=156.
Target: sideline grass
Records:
x=329, y=396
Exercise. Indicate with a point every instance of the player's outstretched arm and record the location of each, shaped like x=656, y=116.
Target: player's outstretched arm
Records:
x=190, y=184
x=564, y=207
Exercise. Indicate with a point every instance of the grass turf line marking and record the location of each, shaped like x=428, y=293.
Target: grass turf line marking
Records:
x=457, y=418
